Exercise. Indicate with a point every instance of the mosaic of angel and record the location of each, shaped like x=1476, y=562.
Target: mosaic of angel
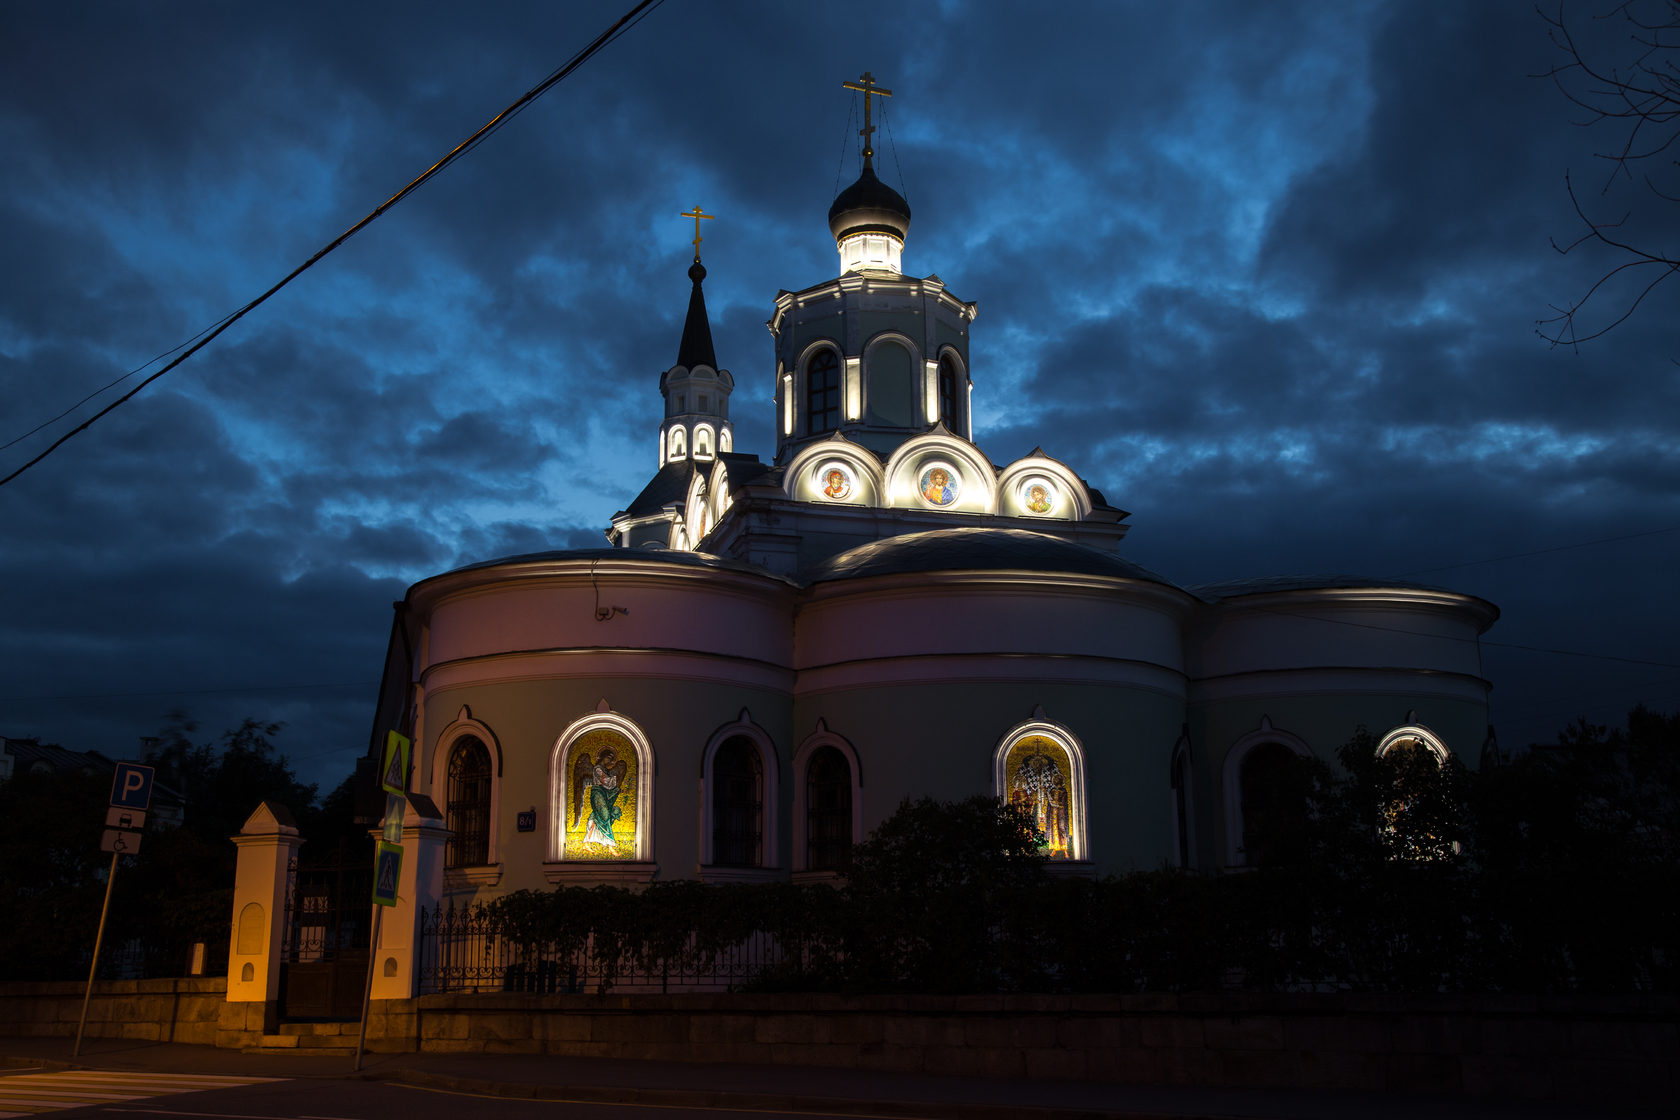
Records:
x=597, y=785
x=1039, y=787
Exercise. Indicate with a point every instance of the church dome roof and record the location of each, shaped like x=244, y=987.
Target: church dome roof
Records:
x=869, y=206
x=975, y=548
x=616, y=556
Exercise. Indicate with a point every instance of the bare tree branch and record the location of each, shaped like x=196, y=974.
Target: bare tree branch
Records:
x=1629, y=87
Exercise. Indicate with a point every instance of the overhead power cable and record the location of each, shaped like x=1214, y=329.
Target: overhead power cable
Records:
x=112, y=383
x=624, y=24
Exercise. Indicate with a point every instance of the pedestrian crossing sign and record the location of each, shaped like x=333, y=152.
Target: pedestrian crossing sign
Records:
x=387, y=873
x=393, y=772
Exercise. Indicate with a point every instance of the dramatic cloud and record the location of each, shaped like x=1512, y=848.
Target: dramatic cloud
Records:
x=1267, y=276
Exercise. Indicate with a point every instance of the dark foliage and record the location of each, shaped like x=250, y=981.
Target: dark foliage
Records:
x=176, y=891
x=1558, y=871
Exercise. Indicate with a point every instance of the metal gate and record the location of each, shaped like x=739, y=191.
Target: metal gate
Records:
x=324, y=961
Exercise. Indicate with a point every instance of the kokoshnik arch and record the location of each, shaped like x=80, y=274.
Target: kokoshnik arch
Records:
x=769, y=657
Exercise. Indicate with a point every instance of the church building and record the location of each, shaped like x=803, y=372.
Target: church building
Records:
x=769, y=656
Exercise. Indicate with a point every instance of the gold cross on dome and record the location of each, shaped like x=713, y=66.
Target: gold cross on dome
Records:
x=697, y=215
x=866, y=86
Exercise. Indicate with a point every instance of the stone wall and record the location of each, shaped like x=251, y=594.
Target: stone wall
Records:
x=1613, y=1049
x=185, y=1010
x=1623, y=1050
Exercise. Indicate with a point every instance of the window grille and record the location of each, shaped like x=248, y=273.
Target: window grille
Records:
x=468, y=811
x=737, y=805
x=828, y=809
x=822, y=392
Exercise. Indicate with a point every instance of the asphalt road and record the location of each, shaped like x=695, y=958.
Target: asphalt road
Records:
x=317, y=1099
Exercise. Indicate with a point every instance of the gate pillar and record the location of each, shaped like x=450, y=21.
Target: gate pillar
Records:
x=396, y=959
x=268, y=846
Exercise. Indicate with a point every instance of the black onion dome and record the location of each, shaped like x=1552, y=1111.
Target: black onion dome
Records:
x=869, y=206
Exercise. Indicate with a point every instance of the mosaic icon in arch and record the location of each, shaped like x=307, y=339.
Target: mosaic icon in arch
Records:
x=940, y=484
x=1039, y=781
x=836, y=482
x=1039, y=495
x=602, y=789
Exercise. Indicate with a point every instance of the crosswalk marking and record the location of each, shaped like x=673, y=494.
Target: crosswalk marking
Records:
x=30, y=1094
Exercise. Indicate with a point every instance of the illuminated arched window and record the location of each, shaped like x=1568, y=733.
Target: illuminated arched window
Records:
x=822, y=392
x=679, y=444
x=1421, y=814
x=602, y=787
x=467, y=811
x=737, y=805
x=1039, y=767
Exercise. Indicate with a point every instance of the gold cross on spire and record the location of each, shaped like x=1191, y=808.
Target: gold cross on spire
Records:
x=697, y=215
x=866, y=86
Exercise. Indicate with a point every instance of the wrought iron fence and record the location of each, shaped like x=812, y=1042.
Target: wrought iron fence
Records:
x=140, y=958
x=462, y=951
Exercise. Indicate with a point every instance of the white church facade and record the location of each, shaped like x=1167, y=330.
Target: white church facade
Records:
x=768, y=658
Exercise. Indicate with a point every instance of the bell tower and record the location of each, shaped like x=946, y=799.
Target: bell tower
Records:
x=696, y=392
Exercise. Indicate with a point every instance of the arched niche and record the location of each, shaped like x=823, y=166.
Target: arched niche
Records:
x=1038, y=486
x=826, y=818
x=912, y=480
x=892, y=364
x=810, y=477
x=741, y=729
x=1040, y=766
x=1231, y=779
x=582, y=825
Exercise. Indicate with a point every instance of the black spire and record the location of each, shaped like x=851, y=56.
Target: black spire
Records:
x=696, y=348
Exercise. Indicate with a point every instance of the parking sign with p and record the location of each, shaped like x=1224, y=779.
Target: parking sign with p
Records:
x=132, y=786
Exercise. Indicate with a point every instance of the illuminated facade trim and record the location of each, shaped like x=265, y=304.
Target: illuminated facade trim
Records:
x=1415, y=733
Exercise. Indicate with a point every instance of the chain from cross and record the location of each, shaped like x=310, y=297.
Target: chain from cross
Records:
x=697, y=215
x=866, y=86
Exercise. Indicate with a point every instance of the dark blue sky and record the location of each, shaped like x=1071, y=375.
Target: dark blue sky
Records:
x=1266, y=275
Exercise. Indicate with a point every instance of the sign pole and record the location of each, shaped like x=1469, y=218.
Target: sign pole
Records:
x=387, y=861
x=93, y=968
x=367, y=992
